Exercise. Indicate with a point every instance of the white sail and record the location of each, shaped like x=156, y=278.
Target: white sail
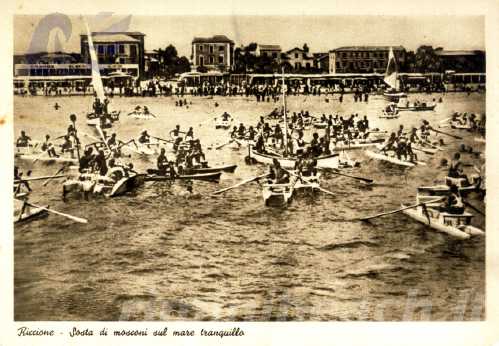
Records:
x=96, y=78
x=391, y=71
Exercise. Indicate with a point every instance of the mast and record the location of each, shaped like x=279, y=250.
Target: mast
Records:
x=285, y=116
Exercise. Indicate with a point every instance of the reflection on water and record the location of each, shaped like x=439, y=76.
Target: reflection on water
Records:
x=157, y=255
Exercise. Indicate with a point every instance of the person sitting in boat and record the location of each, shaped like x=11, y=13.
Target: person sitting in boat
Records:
x=260, y=144
x=453, y=204
x=390, y=143
x=138, y=109
x=18, y=176
x=278, y=134
x=112, y=141
x=23, y=140
x=401, y=149
x=189, y=136
x=162, y=162
x=226, y=116
x=278, y=175
x=455, y=167
x=67, y=146
x=146, y=110
x=266, y=130
x=261, y=123
x=413, y=137
x=251, y=133
x=197, y=152
x=241, y=131
x=175, y=133
x=86, y=161
x=100, y=164
x=400, y=131
x=49, y=147
x=176, y=144
x=97, y=107
x=315, y=145
x=144, y=137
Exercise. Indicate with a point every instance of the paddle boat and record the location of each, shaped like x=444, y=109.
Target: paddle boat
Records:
x=277, y=195
x=331, y=161
x=455, y=225
x=392, y=158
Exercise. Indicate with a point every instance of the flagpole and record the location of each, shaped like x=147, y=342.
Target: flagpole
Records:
x=285, y=116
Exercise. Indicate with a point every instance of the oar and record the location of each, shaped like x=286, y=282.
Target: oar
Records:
x=223, y=145
x=367, y=180
x=163, y=140
x=16, y=181
x=56, y=175
x=74, y=218
x=101, y=134
x=240, y=183
x=445, y=133
x=474, y=208
x=399, y=210
x=305, y=182
x=423, y=151
x=444, y=120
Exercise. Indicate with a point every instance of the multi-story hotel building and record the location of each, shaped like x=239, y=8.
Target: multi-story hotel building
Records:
x=363, y=59
x=214, y=53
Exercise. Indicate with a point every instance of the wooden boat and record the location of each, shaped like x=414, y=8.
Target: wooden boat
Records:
x=389, y=115
x=223, y=124
x=392, y=159
x=459, y=126
x=227, y=168
x=331, y=161
x=125, y=185
x=211, y=177
x=46, y=158
x=417, y=108
x=29, y=213
x=277, y=195
x=356, y=144
x=141, y=115
x=456, y=225
x=32, y=149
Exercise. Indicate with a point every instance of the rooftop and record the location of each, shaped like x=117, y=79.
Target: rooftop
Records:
x=213, y=39
x=269, y=47
x=112, y=37
x=367, y=48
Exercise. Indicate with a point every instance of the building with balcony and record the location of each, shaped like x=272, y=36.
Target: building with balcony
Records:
x=462, y=61
x=363, y=59
x=116, y=52
x=213, y=53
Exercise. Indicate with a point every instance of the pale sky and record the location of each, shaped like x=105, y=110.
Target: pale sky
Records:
x=321, y=33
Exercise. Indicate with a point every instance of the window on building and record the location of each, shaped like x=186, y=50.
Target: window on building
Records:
x=133, y=51
x=201, y=60
x=296, y=55
x=211, y=49
x=221, y=59
x=221, y=48
x=211, y=60
x=274, y=55
x=121, y=49
x=100, y=49
x=200, y=47
x=110, y=49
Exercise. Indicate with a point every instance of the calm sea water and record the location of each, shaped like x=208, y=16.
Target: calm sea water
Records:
x=158, y=255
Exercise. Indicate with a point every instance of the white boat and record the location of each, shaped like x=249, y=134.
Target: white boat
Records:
x=223, y=124
x=458, y=125
x=32, y=149
x=126, y=184
x=456, y=225
x=29, y=212
x=391, y=159
x=331, y=161
x=44, y=157
x=355, y=144
x=389, y=115
x=277, y=195
x=307, y=182
x=141, y=115
x=416, y=107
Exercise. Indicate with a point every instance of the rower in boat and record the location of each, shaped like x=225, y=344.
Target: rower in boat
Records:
x=251, y=133
x=390, y=143
x=277, y=174
x=241, y=131
x=67, y=146
x=48, y=147
x=87, y=160
x=455, y=167
x=23, y=140
x=453, y=204
x=18, y=176
x=144, y=138
x=226, y=116
x=175, y=133
x=100, y=164
x=189, y=136
x=162, y=162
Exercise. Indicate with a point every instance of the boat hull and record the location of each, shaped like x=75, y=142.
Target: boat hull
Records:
x=325, y=162
x=393, y=160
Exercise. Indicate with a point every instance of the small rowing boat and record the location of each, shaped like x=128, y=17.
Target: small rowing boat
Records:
x=417, y=107
x=126, y=184
x=392, y=159
x=211, y=177
x=223, y=124
x=141, y=115
x=29, y=212
x=227, y=168
x=32, y=149
x=331, y=161
x=356, y=144
x=456, y=225
x=277, y=195
x=459, y=126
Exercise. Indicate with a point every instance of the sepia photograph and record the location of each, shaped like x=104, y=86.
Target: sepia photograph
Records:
x=249, y=168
